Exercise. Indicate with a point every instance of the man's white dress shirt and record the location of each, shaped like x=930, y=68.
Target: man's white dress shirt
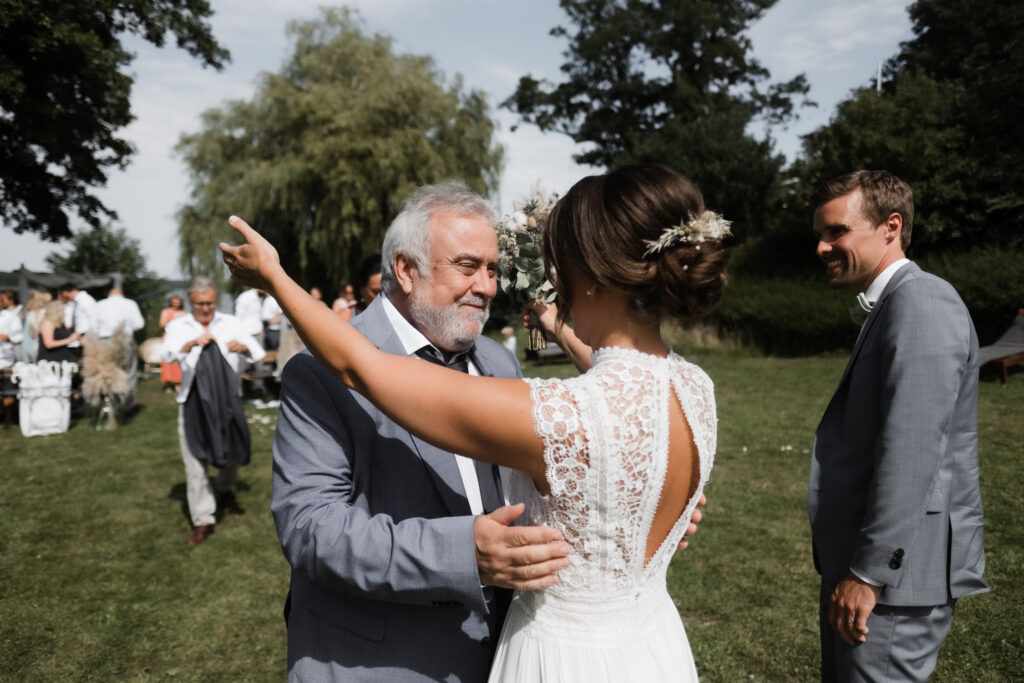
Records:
x=412, y=341
x=113, y=311
x=78, y=313
x=271, y=313
x=223, y=328
x=249, y=309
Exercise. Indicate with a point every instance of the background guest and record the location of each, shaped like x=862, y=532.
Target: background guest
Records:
x=369, y=282
x=345, y=302
x=10, y=342
x=55, y=337
x=33, y=317
x=170, y=372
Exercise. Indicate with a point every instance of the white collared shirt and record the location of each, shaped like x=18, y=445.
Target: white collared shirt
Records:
x=877, y=286
x=223, y=328
x=412, y=341
x=248, y=307
x=271, y=313
x=78, y=313
x=111, y=312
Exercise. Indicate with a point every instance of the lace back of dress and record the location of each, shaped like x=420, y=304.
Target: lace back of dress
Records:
x=606, y=447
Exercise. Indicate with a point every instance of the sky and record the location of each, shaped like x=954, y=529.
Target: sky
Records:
x=490, y=43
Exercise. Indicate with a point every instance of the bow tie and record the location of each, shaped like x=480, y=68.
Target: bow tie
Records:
x=860, y=312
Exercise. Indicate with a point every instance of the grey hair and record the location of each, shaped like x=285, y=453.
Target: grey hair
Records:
x=409, y=233
x=201, y=283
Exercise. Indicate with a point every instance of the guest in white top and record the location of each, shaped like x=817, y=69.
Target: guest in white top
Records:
x=114, y=311
x=78, y=305
x=249, y=311
x=10, y=339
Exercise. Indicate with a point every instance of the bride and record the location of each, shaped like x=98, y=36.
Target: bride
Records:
x=616, y=459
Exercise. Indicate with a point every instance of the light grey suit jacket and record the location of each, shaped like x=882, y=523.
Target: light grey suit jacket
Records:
x=377, y=529
x=893, y=490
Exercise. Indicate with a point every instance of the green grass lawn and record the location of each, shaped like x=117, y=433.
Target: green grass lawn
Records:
x=96, y=581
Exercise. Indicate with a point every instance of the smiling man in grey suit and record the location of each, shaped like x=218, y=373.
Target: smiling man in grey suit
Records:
x=893, y=498
x=397, y=573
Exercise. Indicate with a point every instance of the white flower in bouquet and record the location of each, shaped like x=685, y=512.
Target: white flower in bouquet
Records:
x=521, y=274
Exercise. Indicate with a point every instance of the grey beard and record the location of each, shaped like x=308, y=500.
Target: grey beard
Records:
x=448, y=329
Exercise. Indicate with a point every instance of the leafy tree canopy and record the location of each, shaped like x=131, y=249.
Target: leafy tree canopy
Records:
x=949, y=121
x=64, y=94
x=105, y=249
x=669, y=81
x=323, y=155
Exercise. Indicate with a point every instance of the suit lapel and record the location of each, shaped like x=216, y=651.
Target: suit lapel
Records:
x=440, y=465
x=875, y=312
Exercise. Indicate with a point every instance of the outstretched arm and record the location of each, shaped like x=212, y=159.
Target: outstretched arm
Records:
x=484, y=418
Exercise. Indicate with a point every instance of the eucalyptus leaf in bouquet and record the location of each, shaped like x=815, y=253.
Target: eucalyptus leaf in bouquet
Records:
x=521, y=274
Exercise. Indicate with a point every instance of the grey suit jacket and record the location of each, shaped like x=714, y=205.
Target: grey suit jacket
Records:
x=893, y=491
x=377, y=529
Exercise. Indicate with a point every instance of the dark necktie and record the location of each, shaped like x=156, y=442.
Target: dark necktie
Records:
x=486, y=474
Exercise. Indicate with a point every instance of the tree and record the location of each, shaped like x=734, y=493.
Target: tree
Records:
x=321, y=158
x=949, y=121
x=669, y=81
x=64, y=94
x=105, y=249
x=102, y=250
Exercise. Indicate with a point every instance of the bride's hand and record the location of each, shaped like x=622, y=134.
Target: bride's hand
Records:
x=251, y=263
x=542, y=315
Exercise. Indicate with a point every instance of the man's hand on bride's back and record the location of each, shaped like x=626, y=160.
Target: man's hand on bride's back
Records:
x=520, y=557
x=694, y=521
x=251, y=262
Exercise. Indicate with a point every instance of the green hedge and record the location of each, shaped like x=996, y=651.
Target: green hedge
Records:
x=793, y=317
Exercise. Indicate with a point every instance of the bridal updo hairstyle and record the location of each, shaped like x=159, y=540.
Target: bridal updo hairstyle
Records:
x=602, y=226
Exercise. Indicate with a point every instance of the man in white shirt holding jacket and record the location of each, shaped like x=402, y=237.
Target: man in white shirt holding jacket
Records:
x=211, y=347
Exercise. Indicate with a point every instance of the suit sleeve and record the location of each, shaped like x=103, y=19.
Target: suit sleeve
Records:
x=923, y=359
x=341, y=546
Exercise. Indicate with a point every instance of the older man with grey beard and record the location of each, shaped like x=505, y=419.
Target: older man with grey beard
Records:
x=401, y=553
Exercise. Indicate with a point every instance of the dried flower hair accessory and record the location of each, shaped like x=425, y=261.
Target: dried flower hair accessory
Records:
x=707, y=226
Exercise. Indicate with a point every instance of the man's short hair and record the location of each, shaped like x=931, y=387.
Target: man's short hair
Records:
x=67, y=287
x=883, y=194
x=201, y=283
x=409, y=233
x=12, y=296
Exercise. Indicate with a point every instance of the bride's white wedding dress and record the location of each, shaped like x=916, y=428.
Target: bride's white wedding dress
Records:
x=606, y=433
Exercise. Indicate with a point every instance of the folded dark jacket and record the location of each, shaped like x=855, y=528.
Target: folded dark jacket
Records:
x=215, y=423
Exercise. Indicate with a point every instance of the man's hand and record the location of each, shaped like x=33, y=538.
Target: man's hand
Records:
x=848, y=610
x=524, y=558
x=695, y=519
x=238, y=347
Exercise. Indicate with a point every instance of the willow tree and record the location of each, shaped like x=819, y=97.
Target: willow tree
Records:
x=323, y=155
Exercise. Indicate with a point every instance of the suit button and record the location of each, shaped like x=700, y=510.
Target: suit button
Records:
x=898, y=553
x=895, y=563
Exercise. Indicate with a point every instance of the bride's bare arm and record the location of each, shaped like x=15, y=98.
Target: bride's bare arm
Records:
x=484, y=418
x=546, y=316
